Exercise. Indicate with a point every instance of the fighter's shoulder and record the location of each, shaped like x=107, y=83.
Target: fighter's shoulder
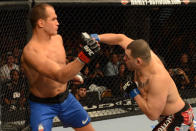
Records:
x=29, y=47
x=156, y=58
x=31, y=50
x=159, y=79
x=58, y=37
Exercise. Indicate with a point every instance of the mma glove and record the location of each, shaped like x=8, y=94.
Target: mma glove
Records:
x=130, y=87
x=90, y=48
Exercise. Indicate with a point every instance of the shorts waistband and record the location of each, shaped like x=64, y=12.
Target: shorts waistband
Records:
x=50, y=100
x=185, y=108
x=175, y=121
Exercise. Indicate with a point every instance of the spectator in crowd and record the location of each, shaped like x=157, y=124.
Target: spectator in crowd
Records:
x=70, y=56
x=5, y=69
x=192, y=51
x=194, y=82
x=96, y=71
x=86, y=99
x=179, y=77
x=184, y=63
x=16, y=54
x=23, y=81
x=85, y=72
x=22, y=74
x=124, y=75
x=80, y=94
x=14, y=92
x=2, y=59
x=176, y=46
x=111, y=68
x=104, y=57
x=192, y=58
x=120, y=57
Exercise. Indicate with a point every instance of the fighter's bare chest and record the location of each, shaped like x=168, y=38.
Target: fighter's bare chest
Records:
x=56, y=54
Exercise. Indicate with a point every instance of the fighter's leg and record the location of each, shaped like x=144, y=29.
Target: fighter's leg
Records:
x=41, y=117
x=74, y=115
x=88, y=127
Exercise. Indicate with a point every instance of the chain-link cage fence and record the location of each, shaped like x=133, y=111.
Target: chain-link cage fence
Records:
x=13, y=88
x=169, y=29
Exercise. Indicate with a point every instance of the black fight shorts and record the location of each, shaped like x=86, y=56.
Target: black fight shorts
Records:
x=180, y=121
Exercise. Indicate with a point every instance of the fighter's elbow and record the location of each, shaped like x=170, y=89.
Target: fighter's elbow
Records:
x=124, y=40
x=61, y=80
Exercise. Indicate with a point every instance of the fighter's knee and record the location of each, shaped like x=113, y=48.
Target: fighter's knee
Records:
x=87, y=127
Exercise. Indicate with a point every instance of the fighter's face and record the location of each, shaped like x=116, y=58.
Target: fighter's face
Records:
x=129, y=60
x=51, y=23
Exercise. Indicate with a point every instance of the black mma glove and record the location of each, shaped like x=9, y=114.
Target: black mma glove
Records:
x=90, y=48
x=130, y=87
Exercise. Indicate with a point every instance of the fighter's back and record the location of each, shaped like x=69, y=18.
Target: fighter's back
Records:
x=174, y=102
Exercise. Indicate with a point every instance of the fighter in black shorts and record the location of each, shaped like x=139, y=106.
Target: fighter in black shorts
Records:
x=153, y=89
x=180, y=121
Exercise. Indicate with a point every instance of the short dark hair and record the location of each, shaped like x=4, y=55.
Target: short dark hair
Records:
x=140, y=48
x=38, y=12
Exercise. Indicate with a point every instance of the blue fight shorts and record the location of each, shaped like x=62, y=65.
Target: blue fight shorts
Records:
x=69, y=111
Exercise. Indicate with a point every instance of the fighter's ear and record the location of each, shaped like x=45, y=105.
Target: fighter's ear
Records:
x=40, y=23
x=139, y=61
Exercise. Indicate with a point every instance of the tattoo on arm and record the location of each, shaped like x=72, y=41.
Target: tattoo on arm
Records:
x=143, y=84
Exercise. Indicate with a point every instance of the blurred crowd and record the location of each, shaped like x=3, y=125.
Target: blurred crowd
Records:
x=13, y=83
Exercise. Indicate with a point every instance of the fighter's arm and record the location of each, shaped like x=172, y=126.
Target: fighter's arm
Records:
x=155, y=102
x=121, y=40
x=115, y=39
x=50, y=68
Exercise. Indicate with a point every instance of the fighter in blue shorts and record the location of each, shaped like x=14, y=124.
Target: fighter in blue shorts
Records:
x=43, y=110
x=44, y=62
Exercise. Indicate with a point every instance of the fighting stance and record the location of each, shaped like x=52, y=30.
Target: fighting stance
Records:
x=44, y=62
x=153, y=89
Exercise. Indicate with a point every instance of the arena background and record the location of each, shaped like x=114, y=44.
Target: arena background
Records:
x=168, y=26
